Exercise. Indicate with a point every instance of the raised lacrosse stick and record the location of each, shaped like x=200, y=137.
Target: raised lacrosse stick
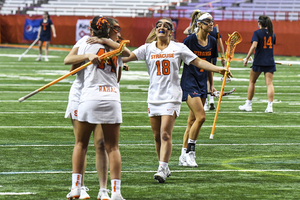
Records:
x=234, y=39
x=106, y=56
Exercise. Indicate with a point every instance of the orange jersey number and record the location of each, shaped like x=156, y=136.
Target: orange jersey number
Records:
x=268, y=42
x=165, y=65
x=102, y=64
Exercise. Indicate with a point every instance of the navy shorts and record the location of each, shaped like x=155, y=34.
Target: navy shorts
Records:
x=256, y=68
x=201, y=94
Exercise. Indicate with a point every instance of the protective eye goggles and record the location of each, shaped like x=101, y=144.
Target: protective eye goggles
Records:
x=116, y=28
x=207, y=21
x=166, y=25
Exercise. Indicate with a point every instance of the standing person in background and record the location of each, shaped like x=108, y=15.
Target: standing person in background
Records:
x=44, y=35
x=263, y=41
x=194, y=84
x=163, y=59
x=193, y=28
x=99, y=110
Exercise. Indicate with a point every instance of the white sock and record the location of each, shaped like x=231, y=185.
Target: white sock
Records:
x=116, y=185
x=76, y=180
x=163, y=164
x=192, y=141
x=249, y=102
x=40, y=55
x=183, y=151
x=270, y=104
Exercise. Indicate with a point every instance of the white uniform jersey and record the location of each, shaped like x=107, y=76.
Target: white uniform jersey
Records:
x=163, y=68
x=100, y=81
x=75, y=91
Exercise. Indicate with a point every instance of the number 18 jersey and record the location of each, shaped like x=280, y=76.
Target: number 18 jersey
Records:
x=163, y=67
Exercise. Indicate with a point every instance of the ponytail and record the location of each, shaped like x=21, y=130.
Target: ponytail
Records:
x=265, y=21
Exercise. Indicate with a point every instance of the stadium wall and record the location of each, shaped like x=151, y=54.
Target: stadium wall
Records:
x=137, y=29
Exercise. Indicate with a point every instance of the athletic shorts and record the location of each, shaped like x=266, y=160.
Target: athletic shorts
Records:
x=163, y=109
x=256, y=68
x=201, y=94
x=100, y=112
x=72, y=110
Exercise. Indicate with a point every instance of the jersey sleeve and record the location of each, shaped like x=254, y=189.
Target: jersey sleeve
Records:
x=140, y=52
x=80, y=42
x=187, y=55
x=254, y=37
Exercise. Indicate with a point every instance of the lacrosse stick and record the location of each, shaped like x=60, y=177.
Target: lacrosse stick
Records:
x=23, y=54
x=217, y=93
x=280, y=63
x=234, y=39
x=106, y=56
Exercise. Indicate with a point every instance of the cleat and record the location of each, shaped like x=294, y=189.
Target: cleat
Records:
x=46, y=59
x=190, y=159
x=162, y=174
x=269, y=110
x=116, y=196
x=38, y=59
x=83, y=193
x=205, y=107
x=103, y=195
x=74, y=194
x=182, y=161
x=212, y=106
x=245, y=107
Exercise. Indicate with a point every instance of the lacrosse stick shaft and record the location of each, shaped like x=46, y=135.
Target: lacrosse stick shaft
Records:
x=29, y=48
x=279, y=63
x=219, y=102
x=104, y=56
x=220, y=43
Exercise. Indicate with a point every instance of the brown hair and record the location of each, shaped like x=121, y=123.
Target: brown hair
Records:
x=265, y=21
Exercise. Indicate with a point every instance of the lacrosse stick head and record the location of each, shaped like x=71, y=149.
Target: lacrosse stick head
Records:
x=234, y=39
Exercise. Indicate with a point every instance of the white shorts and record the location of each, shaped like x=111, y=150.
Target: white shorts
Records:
x=100, y=112
x=72, y=110
x=163, y=109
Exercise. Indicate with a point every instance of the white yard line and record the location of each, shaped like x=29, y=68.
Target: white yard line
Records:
x=15, y=193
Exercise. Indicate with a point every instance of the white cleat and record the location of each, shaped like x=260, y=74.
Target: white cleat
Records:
x=246, y=108
x=46, y=59
x=269, y=110
x=83, y=193
x=74, y=194
x=39, y=59
x=103, y=195
x=182, y=161
x=162, y=174
x=116, y=196
x=190, y=159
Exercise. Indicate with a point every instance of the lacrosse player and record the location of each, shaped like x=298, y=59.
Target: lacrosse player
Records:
x=194, y=84
x=263, y=41
x=44, y=35
x=163, y=59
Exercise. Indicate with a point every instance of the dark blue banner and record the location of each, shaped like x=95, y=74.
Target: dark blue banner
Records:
x=31, y=29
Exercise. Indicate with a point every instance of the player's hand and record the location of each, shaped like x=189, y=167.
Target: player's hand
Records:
x=94, y=59
x=223, y=70
x=223, y=61
x=125, y=67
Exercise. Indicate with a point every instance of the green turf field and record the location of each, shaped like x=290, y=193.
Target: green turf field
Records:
x=253, y=155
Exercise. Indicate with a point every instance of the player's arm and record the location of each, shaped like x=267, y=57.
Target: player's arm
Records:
x=203, y=64
x=73, y=58
x=251, y=51
x=132, y=57
x=39, y=32
x=114, y=45
x=187, y=30
x=53, y=30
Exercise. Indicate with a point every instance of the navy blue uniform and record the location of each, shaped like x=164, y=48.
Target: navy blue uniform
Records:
x=264, y=54
x=193, y=79
x=45, y=34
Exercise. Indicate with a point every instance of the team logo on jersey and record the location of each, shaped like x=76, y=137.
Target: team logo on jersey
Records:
x=163, y=55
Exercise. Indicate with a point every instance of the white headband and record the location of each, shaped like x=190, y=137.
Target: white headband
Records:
x=204, y=16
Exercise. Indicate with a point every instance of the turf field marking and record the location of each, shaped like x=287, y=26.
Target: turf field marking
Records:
x=229, y=163
x=71, y=145
x=150, y=171
x=220, y=126
x=15, y=193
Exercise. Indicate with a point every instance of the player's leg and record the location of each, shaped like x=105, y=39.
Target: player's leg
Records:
x=270, y=91
x=196, y=106
x=211, y=100
x=111, y=137
x=190, y=121
x=251, y=90
x=47, y=50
